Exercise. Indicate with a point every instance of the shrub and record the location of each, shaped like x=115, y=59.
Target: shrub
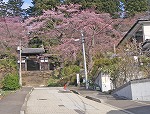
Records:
x=11, y=82
x=53, y=83
x=69, y=70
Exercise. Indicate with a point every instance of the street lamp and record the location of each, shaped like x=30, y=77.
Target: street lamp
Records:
x=20, y=61
x=84, y=58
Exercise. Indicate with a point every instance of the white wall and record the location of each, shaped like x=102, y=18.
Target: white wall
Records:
x=103, y=80
x=141, y=91
x=125, y=92
x=146, y=31
x=106, y=82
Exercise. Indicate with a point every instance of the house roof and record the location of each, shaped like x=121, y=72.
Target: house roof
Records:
x=134, y=29
x=33, y=50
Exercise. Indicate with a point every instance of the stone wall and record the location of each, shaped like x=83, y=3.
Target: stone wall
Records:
x=35, y=78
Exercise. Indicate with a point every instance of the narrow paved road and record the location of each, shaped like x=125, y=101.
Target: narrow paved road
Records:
x=132, y=106
x=135, y=107
x=12, y=103
x=58, y=101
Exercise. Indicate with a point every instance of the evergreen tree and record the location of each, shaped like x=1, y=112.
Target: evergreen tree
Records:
x=134, y=6
x=14, y=7
x=2, y=8
x=40, y=5
x=109, y=6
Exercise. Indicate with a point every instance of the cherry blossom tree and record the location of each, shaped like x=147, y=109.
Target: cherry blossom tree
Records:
x=64, y=24
x=11, y=32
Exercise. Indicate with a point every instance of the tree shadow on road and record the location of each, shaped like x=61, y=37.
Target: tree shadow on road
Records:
x=116, y=112
x=135, y=110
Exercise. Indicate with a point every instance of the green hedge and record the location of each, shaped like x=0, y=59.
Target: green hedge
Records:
x=10, y=82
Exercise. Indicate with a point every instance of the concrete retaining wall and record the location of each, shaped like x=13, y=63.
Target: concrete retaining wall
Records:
x=141, y=90
x=124, y=92
x=135, y=90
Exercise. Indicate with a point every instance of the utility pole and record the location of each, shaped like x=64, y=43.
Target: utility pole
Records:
x=20, y=61
x=84, y=57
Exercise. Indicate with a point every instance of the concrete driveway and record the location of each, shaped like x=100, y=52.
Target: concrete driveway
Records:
x=57, y=101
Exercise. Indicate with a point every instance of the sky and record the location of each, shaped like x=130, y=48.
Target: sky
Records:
x=26, y=4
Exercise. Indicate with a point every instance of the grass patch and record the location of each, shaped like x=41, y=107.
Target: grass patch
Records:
x=4, y=93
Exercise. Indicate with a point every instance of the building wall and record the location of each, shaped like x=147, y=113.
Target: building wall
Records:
x=104, y=82
x=124, y=91
x=98, y=80
x=146, y=30
x=140, y=90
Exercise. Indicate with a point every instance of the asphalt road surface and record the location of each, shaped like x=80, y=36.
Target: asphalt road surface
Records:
x=12, y=103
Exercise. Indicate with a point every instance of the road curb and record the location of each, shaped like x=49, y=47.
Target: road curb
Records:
x=93, y=98
x=23, y=108
x=76, y=92
x=88, y=97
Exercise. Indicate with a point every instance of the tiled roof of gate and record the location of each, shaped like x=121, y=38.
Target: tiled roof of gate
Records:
x=33, y=50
